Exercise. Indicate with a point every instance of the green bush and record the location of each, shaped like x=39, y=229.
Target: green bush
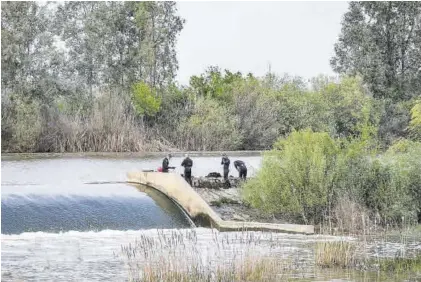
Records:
x=145, y=100
x=402, y=146
x=343, y=109
x=210, y=127
x=415, y=123
x=255, y=109
x=308, y=173
x=407, y=166
x=296, y=177
x=22, y=126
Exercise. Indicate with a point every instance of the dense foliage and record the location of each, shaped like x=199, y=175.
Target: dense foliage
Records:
x=309, y=177
x=99, y=76
x=77, y=75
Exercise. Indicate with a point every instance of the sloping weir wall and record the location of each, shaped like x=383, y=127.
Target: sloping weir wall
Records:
x=177, y=189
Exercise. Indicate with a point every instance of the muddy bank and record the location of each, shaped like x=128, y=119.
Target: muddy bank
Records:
x=226, y=200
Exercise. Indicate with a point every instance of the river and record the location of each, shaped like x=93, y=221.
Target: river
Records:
x=67, y=218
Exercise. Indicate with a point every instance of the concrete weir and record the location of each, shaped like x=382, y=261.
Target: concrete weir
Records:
x=177, y=189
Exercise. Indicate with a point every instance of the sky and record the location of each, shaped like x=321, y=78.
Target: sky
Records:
x=292, y=37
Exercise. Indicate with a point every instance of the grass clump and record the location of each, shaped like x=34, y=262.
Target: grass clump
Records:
x=337, y=254
x=400, y=264
x=353, y=255
x=247, y=270
x=181, y=256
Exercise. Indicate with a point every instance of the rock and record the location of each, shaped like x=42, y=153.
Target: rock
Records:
x=215, y=182
x=214, y=174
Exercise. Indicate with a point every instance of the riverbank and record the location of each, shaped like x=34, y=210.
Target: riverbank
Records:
x=229, y=205
x=126, y=155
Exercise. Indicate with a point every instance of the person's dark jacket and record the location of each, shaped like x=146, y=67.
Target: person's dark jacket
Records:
x=226, y=162
x=240, y=165
x=165, y=165
x=187, y=163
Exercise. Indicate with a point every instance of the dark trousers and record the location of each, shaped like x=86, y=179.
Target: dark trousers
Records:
x=187, y=176
x=226, y=171
x=227, y=183
x=243, y=173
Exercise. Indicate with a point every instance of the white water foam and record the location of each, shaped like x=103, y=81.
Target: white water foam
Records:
x=96, y=256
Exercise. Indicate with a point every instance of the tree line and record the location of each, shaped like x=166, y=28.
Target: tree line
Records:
x=100, y=76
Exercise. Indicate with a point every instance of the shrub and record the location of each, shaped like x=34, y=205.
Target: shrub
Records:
x=145, y=100
x=21, y=125
x=415, y=123
x=349, y=215
x=256, y=112
x=210, y=127
x=296, y=176
x=402, y=146
x=307, y=176
x=407, y=177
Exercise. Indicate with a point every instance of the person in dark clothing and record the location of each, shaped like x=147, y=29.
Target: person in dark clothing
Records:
x=166, y=163
x=240, y=166
x=226, y=165
x=188, y=164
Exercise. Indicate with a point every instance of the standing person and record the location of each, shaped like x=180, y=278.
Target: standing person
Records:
x=166, y=163
x=240, y=166
x=188, y=164
x=226, y=165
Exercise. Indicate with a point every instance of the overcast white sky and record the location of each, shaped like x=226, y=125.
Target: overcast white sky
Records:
x=294, y=37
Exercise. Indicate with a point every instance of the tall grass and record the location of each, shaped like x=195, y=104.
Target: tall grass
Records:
x=108, y=126
x=182, y=255
x=179, y=256
x=345, y=254
x=337, y=254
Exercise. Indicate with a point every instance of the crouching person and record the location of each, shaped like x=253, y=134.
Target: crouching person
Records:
x=240, y=166
x=166, y=163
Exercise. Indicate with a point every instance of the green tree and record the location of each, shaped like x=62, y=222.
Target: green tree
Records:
x=210, y=127
x=256, y=111
x=145, y=100
x=350, y=110
x=116, y=44
x=159, y=25
x=28, y=58
x=80, y=28
x=380, y=41
x=215, y=84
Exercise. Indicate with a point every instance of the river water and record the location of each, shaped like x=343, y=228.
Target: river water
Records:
x=67, y=219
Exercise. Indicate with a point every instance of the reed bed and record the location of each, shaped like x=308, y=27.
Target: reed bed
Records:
x=186, y=255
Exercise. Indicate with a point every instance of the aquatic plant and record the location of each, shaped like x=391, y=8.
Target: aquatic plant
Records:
x=183, y=255
x=337, y=254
